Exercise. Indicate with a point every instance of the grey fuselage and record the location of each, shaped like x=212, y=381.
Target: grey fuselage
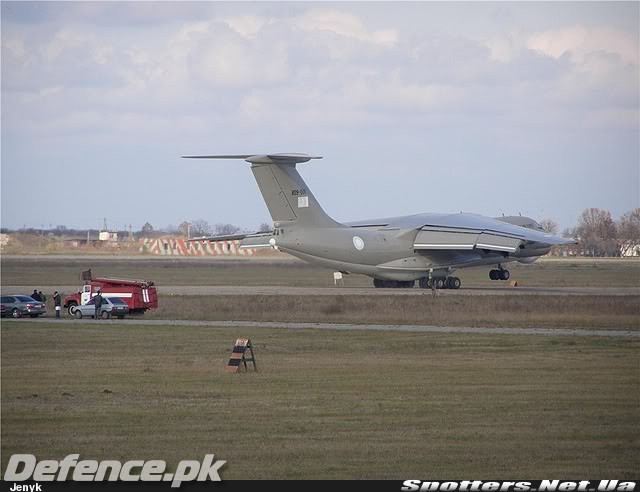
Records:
x=387, y=252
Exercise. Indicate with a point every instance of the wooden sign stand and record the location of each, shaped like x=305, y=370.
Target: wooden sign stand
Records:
x=239, y=356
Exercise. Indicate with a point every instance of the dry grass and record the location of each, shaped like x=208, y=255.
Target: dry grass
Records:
x=51, y=271
x=325, y=404
x=444, y=310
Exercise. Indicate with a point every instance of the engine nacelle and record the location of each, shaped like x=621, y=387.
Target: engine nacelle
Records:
x=528, y=260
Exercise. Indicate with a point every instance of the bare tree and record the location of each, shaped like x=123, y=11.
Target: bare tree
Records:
x=225, y=229
x=200, y=227
x=265, y=227
x=550, y=226
x=597, y=233
x=147, y=229
x=171, y=229
x=185, y=229
x=629, y=232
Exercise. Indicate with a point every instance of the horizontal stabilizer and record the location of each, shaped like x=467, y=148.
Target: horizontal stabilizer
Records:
x=230, y=237
x=292, y=158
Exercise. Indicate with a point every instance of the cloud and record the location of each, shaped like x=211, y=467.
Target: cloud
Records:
x=247, y=25
x=313, y=67
x=580, y=41
x=344, y=24
x=223, y=57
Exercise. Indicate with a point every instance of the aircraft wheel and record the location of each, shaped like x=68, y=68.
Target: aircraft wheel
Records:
x=422, y=283
x=494, y=274
x=454, y=283
x=440, y=284
x=505, y=275
x=377, y=283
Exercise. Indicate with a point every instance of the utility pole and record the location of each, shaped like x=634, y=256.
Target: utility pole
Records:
x=188, y=230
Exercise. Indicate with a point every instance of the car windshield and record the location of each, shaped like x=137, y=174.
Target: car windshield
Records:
x=117, y=300
x=25, y=299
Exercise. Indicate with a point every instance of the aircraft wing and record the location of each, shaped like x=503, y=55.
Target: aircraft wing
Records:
x=465, y=232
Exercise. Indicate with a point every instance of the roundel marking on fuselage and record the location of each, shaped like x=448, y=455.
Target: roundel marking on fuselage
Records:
x=358, y=242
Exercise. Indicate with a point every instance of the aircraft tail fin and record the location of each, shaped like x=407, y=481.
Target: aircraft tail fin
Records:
x=287, y=196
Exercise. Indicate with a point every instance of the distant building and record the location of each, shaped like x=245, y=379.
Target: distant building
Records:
x=110, y=236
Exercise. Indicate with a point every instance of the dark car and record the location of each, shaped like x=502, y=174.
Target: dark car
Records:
x=111, y=306
x=17, y=306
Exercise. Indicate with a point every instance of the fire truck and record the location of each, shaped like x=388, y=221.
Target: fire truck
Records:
x=139, y=295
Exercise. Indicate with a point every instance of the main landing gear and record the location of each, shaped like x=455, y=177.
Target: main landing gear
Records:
x=499, y=274
x=440, y=283
x=393, y=284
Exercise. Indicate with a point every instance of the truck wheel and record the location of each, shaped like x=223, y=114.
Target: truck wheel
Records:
x=105, y=315
x=15, y=313
x=71, y=308
x=78, y=314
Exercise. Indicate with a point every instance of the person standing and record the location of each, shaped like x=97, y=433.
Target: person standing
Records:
x=57, y=301
x=43, y=298
x=35, y=296
x=98, y=302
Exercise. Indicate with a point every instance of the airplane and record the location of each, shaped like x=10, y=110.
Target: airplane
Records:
x=394, y=251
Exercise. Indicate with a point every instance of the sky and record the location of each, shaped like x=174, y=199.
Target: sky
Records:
x=491, y=108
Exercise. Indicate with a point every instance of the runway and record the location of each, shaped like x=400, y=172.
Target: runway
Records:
x=230, y=290
x=596, y=332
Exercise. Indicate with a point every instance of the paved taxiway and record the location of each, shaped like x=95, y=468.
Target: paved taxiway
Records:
x=347, y=326
x=230, y=290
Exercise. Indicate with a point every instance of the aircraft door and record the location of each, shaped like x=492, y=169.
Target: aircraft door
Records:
x=86, y=294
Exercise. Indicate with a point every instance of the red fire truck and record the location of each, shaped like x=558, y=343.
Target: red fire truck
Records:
x=139, y=295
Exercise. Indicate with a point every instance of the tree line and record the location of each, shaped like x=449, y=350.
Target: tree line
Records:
x=598, y=234
x=199, y=228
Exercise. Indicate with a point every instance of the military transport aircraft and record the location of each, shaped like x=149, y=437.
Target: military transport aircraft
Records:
x=394, y=251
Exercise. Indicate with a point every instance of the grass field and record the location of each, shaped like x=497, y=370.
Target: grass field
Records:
x=455, y=310
x=325, y=404
x=52, y=271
